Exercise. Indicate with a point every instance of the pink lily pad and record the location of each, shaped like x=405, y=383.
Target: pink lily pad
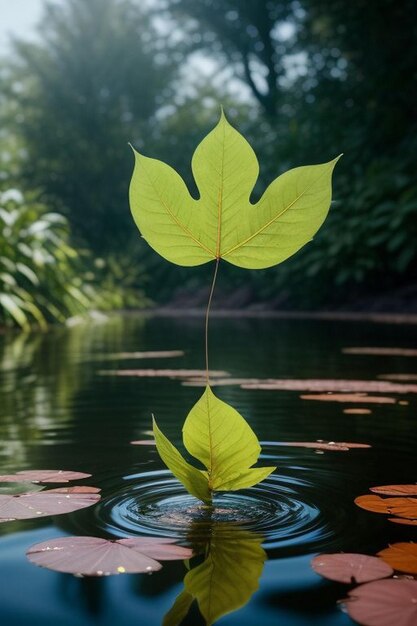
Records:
x=381, y=351
x=151, y=373
x=43, y=476
x=144, y=442
x=349, y=397
x=384, y=603
x=93, y=556
x=43, y=503
x=335, y=446
x=350, y=568
x=328, y=384
x=75, y=489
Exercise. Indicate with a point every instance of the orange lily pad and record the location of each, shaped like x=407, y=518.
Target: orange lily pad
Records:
x=395, y=490
x=402, y=507
x=401, y=556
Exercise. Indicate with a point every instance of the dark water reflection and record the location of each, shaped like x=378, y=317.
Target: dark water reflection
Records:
x=57, y=412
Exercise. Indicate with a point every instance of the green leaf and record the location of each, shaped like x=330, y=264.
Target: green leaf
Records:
x=225, y=581
x=223, y=223
x=192, y=478
x=179, y=609
x=218, y=436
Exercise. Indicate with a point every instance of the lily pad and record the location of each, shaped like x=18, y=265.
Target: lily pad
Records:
x=329, y=384
x=402, y=507
x=401, y=556
x=381, y=351
x=334, y=446
x=93, y=556
x=43, y=503
x=350, y=568
x=349, y=397
x=153, y=373
x=43, y=476
x=384, y=603
x=143, y=442
x=396, y=490
x=403, y=520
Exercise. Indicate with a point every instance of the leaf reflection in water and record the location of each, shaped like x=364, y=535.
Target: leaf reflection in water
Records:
x=227, y=577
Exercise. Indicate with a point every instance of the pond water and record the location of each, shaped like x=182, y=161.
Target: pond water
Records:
x=64, y=407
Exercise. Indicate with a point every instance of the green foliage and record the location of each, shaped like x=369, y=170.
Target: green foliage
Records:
x=222, y=223
x=43, y=278
x=226, y=579
x=41, y=275
x=219, y=437
x=94, y=79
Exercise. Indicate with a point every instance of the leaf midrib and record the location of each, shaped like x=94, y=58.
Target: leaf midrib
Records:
x=274, y=219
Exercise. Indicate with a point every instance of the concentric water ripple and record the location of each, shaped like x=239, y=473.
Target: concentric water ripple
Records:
x=292, y=514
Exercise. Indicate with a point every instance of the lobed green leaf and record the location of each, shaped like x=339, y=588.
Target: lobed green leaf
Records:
x=223, y=223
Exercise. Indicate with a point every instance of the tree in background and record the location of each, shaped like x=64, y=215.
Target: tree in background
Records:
x=330, y=76
x=320, y=77
x=93, y=83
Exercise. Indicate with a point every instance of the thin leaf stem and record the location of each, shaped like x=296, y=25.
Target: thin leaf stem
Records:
x=213, y=283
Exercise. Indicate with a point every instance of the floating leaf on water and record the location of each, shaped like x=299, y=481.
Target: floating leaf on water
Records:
x=403, y=507
x=384, y=603
x=401, y=556
x=357, y=411
x=335, y=446
x=223, y=223
x=331, y=385
x=43, y=503
x=76, y=489
x=93, y=556
x=144, y=442
x=151, y=373
x=381, y=351
x=403, y=520
x=349, y=397
x=349, y=568
x=395, y=490
x=43, y=476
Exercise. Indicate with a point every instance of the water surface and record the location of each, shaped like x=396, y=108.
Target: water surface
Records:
x=58, y=411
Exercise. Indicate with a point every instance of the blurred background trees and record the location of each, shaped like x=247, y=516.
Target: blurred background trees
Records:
x=303, y=80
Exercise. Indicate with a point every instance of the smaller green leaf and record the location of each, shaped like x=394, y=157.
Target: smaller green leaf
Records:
x=246, y=479
x=226, y=579
x=192, y=478
x=179, y=609
x=218, y=436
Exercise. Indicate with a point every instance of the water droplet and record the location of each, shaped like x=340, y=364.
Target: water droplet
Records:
x=99, y=572
x=38, y=512
x=121, y=569
x=149, y=568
